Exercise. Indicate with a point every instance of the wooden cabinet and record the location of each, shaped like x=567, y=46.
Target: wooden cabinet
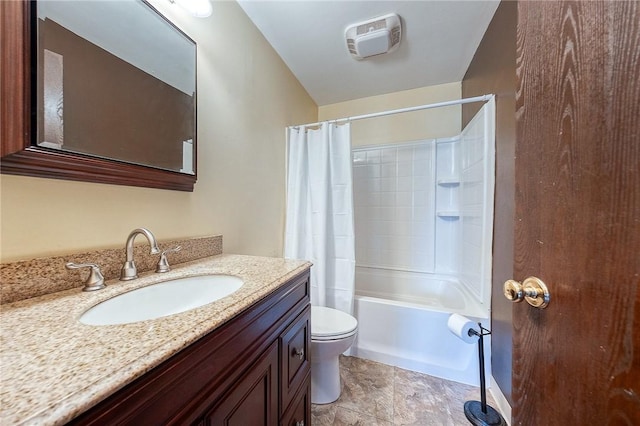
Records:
x=299, y=412
x=253, y=370
x=253, y=399
x=294, y=356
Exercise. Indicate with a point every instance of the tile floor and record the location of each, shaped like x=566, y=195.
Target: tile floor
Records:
x=375, y=394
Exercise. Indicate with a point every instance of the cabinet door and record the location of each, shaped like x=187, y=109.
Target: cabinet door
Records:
x=294, y=347
x=253, y=399
x=299, y=413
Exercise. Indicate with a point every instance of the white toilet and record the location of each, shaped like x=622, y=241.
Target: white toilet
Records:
x=332, y=333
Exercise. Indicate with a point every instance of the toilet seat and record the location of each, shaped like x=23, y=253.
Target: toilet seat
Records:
x=331, y=324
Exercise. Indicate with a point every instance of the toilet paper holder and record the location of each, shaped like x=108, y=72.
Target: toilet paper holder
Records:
x=478, y=412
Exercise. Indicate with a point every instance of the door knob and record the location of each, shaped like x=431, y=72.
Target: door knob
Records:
x=532, y=289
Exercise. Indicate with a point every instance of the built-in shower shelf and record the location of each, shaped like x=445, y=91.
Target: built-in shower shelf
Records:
x=448, y=214
x=449, y=182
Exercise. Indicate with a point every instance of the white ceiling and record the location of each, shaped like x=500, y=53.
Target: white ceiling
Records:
x=438, y=42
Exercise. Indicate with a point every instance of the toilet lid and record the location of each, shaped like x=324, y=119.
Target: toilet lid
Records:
x=328, y=323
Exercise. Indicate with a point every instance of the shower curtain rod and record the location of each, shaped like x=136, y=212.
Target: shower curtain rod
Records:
x=483, y=98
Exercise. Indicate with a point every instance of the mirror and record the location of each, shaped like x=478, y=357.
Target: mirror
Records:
x=21, y=149
x=115, y=80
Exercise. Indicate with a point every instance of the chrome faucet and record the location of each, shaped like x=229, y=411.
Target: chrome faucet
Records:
x=129, y=270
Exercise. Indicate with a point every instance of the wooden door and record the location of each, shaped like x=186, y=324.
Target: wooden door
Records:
x=577, y=362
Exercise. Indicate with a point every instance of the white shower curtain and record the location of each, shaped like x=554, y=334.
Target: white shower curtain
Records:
x=319, y=219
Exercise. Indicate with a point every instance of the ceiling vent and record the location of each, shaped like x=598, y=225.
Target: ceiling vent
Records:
x=374, y=37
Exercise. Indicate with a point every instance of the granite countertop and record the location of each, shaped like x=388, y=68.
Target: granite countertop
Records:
x=52, y=367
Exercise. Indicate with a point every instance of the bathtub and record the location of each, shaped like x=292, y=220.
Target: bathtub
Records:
x=402, y=321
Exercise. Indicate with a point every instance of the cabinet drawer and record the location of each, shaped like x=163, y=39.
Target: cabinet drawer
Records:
x=299, y=413
x=294, y=356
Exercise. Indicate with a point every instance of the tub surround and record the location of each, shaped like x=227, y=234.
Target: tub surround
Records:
x=54, y=367
x=31, y=278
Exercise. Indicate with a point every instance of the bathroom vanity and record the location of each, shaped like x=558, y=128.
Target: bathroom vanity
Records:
x=254, y=370
x=241, y=360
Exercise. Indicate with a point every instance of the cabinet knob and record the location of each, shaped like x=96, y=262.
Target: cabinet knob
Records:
x=300, y=354
x=300, y=423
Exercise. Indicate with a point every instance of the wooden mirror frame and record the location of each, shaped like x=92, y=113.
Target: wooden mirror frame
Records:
x=19, y=157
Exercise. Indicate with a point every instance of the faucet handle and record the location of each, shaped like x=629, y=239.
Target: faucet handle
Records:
x=163, y=264
x=95, y=281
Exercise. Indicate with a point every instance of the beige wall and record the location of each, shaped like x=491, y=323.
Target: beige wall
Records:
x=246, y=97
x=433, y=123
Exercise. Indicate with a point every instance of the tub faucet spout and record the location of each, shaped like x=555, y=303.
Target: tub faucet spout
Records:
x=129, y=270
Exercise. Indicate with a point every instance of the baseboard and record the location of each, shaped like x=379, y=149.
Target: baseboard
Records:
x=501, y=400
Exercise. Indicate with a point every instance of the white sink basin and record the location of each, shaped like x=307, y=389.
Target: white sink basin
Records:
x=162, y=299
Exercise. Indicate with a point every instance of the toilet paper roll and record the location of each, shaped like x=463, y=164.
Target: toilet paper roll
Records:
x=460, y=326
